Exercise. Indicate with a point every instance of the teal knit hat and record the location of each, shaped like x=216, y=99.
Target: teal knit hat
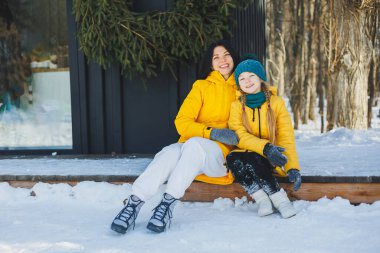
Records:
x=250, y=65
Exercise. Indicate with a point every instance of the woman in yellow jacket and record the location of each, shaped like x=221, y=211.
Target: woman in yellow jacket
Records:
x=202, y=123
x=267, y=143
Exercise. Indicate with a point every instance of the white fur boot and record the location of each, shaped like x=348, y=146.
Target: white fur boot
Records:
x=265, y=205
x=281, y=201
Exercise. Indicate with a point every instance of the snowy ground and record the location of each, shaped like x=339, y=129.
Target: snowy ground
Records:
x=64, y=219
x=60, y=218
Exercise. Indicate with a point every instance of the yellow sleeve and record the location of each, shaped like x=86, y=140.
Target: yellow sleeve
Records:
x=247, y=141
x=285, y=135
x=185, y=121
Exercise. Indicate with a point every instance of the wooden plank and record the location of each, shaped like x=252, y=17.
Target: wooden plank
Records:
x=202, y=192
x=43, y=70
x=208, y=192
x=354, y=192
x=131, y=178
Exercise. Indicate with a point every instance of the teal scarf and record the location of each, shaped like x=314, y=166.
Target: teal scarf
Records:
x=255, y=100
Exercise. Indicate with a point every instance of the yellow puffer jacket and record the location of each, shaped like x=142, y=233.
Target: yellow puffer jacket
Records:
x=284, y=130
x=207, y=106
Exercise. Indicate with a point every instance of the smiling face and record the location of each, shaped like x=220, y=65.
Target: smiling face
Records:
x=249, y=83
x=222, y=61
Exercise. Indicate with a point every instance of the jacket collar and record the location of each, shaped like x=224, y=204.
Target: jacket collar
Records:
x=216, y=77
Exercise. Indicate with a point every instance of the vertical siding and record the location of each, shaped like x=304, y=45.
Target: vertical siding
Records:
x=113, y=110
x=96, y=108
x=149, y=111
x=112, y=113
x=249, y=33
x=77, y=87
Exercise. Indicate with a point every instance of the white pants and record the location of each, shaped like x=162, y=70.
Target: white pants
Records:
x=179, y=164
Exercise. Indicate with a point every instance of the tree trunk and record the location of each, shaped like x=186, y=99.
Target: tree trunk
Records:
x=310, y=63
x=371, y=91
x=373, y=82
x=320, y=75
x=349, y=68
x=298, y=47
x=276, y=49
x=278, y=53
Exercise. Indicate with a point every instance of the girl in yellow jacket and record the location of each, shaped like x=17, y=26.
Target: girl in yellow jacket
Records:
x=267, y=144
x=202, y=123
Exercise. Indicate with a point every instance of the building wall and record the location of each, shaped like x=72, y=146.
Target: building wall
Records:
x=115, y=114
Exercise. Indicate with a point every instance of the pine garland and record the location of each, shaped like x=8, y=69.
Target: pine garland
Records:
x=109, y=31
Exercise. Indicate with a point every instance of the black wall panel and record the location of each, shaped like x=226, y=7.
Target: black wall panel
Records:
x=249, y=32
x=149, y=111
x=113, y=113
x=113, y=110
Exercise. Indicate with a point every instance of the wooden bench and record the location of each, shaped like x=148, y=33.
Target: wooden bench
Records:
x=355, y=189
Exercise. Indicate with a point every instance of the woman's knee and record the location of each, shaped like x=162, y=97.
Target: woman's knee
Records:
x=193, y=143
x=172, y=151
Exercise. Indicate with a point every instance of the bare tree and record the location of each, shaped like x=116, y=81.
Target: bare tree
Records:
x=325, y=49
x=276, y=48
x=373, y=82
x=349, y=63
x=310, y=63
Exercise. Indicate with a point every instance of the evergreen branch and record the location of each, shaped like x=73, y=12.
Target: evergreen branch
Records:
x=157, y=38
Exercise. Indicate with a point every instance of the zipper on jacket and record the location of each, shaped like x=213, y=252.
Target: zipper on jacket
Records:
x=258, y=108
x=253, y=117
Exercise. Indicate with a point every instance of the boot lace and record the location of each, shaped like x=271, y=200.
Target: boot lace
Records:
x=127, y=213
x=161, y=211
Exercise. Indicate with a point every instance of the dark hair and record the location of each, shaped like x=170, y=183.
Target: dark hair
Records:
x=206, y=63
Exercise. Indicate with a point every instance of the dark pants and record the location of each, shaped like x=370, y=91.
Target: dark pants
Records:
x=253, y=172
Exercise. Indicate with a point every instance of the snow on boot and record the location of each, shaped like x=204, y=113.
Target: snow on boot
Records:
x=281, y=201
x=127, y=216
x=264, y=203
x=162, y=214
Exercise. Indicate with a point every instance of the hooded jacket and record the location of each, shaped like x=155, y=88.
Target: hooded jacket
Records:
x=207, y=106
x=258, y=122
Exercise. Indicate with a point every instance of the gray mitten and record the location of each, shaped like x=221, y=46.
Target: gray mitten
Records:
x=273, y=154
x=224, y=135
x=295, y=177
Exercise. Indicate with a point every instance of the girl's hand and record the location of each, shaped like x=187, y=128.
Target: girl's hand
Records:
x=274, y=155
x=295, y=177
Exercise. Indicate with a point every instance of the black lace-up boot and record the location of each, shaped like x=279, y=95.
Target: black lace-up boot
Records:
x=127, y=216
x=162, y=214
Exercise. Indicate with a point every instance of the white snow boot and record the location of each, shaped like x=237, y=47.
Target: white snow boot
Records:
x=265, y=205
x=127, y=216
x=163, y=213
x=282, y=203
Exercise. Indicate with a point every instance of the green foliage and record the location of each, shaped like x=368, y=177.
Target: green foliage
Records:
x=109, y=31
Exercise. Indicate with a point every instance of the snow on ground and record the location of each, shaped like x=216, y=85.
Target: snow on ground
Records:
x=61, y=218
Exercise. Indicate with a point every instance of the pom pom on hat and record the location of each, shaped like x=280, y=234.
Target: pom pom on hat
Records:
x=250, y=63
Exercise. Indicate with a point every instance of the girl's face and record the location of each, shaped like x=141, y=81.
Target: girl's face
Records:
x=249, y=83
x=222, y=61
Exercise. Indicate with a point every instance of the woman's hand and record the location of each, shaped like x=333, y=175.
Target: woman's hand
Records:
x=224, y=135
